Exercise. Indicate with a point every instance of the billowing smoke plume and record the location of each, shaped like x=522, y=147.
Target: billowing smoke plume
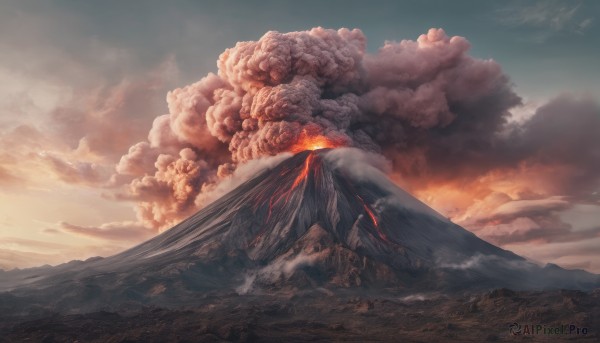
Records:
x=426, y=105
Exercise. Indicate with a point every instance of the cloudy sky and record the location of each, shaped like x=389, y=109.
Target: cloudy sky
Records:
x=497, y=130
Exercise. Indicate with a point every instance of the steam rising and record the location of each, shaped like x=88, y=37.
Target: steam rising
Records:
x=278, y=269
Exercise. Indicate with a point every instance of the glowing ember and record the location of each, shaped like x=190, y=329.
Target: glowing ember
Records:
x=308, y=142
x=371, y=214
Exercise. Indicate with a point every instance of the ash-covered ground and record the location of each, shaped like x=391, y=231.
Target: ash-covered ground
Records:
x=323, y=317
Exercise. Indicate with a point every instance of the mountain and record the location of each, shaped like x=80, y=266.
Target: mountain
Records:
x=321, y=220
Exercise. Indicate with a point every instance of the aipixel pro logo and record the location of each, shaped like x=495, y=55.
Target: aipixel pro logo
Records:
x=516, y=329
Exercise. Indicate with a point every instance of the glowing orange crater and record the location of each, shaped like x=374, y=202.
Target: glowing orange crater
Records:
x=316, y=142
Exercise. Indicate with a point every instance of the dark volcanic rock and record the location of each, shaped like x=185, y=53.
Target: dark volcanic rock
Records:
x=322, y=318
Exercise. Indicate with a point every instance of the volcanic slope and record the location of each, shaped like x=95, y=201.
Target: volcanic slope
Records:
x=314, y=221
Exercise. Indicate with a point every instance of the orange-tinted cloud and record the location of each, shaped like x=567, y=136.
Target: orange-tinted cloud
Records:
x=117, y=231
x=8, y=179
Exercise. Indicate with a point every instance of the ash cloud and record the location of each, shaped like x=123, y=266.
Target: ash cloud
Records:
x=438, y=118
x=170, y=193
x=419, y=103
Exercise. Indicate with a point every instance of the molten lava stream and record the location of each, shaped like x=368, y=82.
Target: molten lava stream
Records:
x=304, y=173
x=371, y=215
x=301, y=178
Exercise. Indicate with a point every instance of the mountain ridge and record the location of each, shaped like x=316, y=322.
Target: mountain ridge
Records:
x=315, y=221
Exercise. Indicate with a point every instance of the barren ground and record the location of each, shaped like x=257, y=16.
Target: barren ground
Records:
x=416, y=318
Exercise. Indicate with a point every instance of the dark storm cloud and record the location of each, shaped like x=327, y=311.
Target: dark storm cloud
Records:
x=564, y=134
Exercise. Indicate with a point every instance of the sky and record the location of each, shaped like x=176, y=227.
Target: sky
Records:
x=95, y=157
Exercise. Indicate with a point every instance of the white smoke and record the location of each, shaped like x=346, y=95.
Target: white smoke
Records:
x=278, y=269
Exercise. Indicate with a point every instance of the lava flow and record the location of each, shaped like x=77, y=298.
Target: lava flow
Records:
x=286, y=193
x=371, y=214
x=304, y=143
x=302, y=176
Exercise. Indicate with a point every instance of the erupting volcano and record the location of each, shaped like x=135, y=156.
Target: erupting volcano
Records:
x=321, y=219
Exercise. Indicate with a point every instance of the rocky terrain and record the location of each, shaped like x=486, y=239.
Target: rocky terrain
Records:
x=431, y=317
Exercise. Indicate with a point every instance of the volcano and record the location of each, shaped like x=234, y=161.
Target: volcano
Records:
x=320, y=220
